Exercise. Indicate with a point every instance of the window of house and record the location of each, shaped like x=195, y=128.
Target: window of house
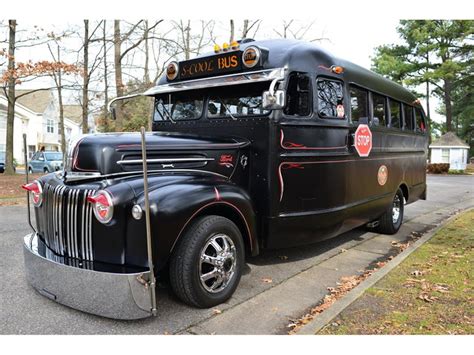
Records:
x=395, y=114
x=330, y=99
x=50, y=126
x=420, y=121
x=359, y=103
x=298, y=97
x=379, y=110
x=445, y=156
x=408, y=113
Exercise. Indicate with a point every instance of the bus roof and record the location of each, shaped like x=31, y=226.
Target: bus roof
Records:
x=308, y=57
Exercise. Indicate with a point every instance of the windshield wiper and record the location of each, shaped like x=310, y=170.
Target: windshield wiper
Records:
x=227, y=109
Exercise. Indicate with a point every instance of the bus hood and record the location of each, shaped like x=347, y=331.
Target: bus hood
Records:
x=119, y=153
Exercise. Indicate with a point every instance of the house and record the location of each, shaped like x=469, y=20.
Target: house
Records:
x=37, y=115
x=449, y=148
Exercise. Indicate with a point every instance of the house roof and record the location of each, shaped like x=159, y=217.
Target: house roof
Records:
x=36, y=101
x=449, y=140
x=73, y=112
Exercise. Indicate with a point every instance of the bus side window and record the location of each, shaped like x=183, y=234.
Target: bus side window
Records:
x=379, y=110
x=395, y=114
x=420, y=121
x=298, y=95
x=330, y=99
x=359, y=103
x=408, y=113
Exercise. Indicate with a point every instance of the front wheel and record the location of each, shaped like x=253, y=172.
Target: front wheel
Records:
x=207, y=262
x=392, y=219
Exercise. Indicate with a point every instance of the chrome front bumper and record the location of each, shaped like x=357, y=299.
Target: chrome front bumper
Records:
x=112, y=295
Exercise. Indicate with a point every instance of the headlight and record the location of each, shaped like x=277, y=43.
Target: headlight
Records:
x=103, y=206
x=36, y=191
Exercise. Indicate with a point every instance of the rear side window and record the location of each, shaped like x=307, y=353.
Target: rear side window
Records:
x=359, y=103
x=298, y=95
x=408, y=113
x=420, y=121
x=379, y=109
x=330, y=99
x=395, y=114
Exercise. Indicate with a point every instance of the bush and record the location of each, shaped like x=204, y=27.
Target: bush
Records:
x=438, y=168
x=456, y=172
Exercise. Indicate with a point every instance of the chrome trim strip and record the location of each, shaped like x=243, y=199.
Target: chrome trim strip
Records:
x=161, y=172
x=83, y=236
x=165, y=160
x=61, y=217
x=223, y=80
x=89, y=219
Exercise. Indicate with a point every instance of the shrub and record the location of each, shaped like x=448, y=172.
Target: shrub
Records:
x=438, y=168
x=456, y=172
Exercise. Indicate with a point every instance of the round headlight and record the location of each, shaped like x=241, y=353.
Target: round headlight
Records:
x=137, y=212
x=172, y=71
x=103, y=206
x=251, y=56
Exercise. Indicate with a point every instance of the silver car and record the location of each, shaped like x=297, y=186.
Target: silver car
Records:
x=46, y=162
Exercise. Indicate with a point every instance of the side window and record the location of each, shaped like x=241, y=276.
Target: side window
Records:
x=379, y=109
x=35, y=156
x=359, y=103
x=298, y=95
x=41, y=157
x=420, y=121
x=330, y=99
x=408, y=113
x=395, y=114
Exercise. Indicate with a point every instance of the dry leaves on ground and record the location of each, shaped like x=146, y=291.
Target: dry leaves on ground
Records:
x=267, y=280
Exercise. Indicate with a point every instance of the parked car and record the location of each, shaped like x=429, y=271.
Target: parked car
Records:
x=2, y=163
x=46, y=162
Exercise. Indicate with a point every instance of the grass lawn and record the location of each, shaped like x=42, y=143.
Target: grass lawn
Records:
x=430, y=292
x=11, y=192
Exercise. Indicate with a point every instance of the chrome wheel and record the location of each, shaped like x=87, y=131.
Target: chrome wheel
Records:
x=218, y=259
x=396, y=209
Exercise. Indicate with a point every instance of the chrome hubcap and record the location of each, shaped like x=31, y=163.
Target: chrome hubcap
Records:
x=217, y=263
x=396, y=209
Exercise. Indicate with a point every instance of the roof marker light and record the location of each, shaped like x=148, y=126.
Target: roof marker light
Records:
x=337, y=69
x=217, y=48
x=234, y=45
x=225, y=47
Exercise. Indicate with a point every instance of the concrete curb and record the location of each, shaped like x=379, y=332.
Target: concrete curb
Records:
x=325, y=317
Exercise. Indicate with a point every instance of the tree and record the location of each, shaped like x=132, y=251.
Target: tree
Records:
x=434, y=52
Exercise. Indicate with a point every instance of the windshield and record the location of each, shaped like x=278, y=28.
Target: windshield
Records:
x=176, y=107
x=226, y=102
x=237, y=103
x=54, y=156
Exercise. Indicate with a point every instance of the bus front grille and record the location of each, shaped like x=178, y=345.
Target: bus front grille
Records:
x=64, y=221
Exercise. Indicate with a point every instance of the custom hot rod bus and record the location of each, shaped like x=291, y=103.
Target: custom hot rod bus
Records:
x=262, y=144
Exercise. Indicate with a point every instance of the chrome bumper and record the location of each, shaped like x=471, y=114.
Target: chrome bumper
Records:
x=111, y=295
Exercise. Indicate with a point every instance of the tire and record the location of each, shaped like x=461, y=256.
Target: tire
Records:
x=46, y=170
x=392, y=219
x=30, y=170
x=186, y=267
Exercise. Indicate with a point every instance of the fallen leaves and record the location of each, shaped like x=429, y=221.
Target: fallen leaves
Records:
x=216, y=311
x=267, y=280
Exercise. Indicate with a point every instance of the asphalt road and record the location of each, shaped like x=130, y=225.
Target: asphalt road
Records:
x=24, y=311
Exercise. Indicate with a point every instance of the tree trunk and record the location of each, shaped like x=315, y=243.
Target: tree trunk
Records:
x=118, y=75
x=146, y=76
x=85, y=87
x=106, y=82
x=232, y=29
x=245, y=30
x=188, y=41
x=448, y=105
x=61, y=107
x=11, y=99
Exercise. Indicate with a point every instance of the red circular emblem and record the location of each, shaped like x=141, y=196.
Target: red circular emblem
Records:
x=363, y=140
x=382, y=175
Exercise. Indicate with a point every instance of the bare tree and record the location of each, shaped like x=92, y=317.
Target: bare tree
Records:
x=295, y=30
x=232, y=31
x=9, y=169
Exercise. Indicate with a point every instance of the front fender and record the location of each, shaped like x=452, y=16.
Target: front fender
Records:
x=174, y=206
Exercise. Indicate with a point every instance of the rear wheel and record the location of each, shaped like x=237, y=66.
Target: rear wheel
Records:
x=46, y=170
x=30, y=170
x=392, y=219
x=207, y=262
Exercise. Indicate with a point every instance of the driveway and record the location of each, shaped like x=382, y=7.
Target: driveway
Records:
x=277, y=286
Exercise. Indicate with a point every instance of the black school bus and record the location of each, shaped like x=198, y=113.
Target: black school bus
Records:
x=266, y=144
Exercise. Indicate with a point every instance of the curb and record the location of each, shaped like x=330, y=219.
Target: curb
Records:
x=328, y=315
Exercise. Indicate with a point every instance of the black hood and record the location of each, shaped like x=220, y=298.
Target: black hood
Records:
x=121, y=152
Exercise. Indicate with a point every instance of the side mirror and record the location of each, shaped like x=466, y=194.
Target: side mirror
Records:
x=112, y=112
x=274, y=101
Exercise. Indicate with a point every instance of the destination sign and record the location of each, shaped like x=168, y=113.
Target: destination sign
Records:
x=209, y=66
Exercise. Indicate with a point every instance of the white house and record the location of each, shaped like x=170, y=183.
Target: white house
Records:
x=37, y=115
x=449, y=148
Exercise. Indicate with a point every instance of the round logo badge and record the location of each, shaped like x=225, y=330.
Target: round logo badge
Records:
x=382, y=175
x=251, y=56
x=172, y=71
